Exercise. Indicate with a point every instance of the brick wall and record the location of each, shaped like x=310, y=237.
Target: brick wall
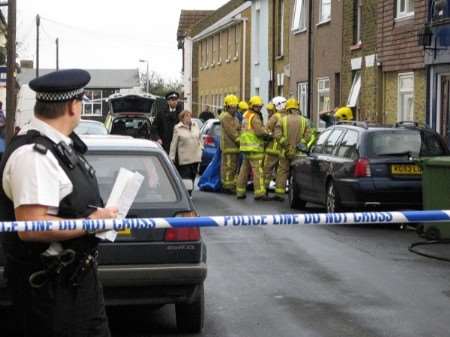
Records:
x=368, y=99
x=397, y=39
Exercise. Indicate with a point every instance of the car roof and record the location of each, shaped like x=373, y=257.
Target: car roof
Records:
x=118, y=143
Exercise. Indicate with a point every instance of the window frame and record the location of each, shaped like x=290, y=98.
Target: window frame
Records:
x=338, y=154
x=321, y=91
x=409, y=9
x=299, y=15
x=280, y=28
x=323, y=19
x=90, y=93
x=337, y=143
x=401, y=93
x=357, y=29
x=355, y=90
x=302, y=89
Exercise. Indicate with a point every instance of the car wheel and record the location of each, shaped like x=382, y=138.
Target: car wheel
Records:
x=332, y=199
x=190, y=316
x=295, y=202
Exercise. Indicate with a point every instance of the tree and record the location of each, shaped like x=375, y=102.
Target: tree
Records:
x=158, y=86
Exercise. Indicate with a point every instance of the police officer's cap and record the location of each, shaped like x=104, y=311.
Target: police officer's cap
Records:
x=60, y=86
x=172, y=94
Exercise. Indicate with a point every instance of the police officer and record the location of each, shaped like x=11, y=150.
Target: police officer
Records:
x=52, y=275
x=253, y=135
x=166, y=117
x=229, y=143
x=273, y=149
x=293, y=134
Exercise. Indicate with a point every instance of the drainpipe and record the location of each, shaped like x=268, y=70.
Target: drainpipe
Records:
x=274, y=2
x=310, y=59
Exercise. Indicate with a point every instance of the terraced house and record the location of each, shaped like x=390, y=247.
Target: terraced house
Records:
x=221, y=56
x=402, y=59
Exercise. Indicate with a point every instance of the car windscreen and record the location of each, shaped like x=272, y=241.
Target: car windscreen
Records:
x=404, y=142
x=90, y=129
x=131, y=104
x=157, y=186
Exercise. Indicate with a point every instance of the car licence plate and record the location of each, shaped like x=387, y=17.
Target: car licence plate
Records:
x=406, y=170
x=125, y=232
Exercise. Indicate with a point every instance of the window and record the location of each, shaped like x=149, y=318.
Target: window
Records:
x=405, y=97
x=210, y=50
x=325, y=11
x=332, y=141
x=237, y=41
x=230, y=43
x=405, y=8
x=357, y=16
x=219, y=51
x=205, y=52
x=280, y=28
x=323, y=95
x=93, y=107
x=299, y=18
x=214, y=49
x=157, y=186
x=354, y=91
x=318, y=147
x=348, y=148
x=302, y=95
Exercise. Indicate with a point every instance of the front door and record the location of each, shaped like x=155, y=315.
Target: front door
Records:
x=445, y=108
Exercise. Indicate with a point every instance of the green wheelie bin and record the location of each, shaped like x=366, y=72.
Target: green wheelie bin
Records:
x=436, y=195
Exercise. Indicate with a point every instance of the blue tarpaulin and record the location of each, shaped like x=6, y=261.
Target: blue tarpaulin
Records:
x=210, y=179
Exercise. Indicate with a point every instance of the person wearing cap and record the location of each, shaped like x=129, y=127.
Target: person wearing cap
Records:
x=44, y=176
x=273, y=152
x=166, y=117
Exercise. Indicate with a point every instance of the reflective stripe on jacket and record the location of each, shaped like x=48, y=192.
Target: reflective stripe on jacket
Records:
x=249, y=141
x=273, y=147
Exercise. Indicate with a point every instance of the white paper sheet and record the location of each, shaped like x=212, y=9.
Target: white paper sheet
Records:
x=122, y=196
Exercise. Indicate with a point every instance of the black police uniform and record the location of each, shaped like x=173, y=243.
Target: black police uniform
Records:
x=67, y=301
x=165, y=121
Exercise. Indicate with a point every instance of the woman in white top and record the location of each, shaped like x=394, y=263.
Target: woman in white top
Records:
x=186, y=148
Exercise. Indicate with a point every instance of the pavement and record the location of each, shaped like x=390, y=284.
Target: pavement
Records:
x=328, y=281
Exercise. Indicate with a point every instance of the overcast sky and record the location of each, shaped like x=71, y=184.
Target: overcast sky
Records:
x=106, y=33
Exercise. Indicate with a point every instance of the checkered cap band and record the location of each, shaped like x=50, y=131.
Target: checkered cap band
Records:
x=58, y=96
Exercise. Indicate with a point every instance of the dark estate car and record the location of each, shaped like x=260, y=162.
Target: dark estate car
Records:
x=130, y=115
x=154, y=267
x=358, y=166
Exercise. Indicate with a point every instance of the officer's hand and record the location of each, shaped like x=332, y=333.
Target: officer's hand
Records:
x=105, y=213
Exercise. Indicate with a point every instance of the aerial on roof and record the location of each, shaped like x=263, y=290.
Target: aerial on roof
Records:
x=100, y=78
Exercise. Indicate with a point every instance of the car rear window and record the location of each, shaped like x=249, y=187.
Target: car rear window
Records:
x=156, y=187
x=131, y=104
x=403, y=142
x=131, y=126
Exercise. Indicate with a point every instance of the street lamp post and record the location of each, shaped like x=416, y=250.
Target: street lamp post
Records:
x=147, y=77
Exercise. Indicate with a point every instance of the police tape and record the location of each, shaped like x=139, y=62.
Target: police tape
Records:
x=229, y=221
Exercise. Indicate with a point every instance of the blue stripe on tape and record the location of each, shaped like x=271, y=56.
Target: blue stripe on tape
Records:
x=192, y=222
x=416, y=216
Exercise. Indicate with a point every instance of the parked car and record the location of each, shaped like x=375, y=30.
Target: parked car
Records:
x=210, y=135
x=199, y=122
x=130, y=115
x=154, y=267
x=88, y=127
x=358, y=166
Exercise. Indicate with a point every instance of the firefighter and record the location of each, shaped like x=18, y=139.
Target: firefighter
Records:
x=293, y=134
x=242, y=108
x=253, y=135
x=229, y=144
x=272, y=155
x=270, y=107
